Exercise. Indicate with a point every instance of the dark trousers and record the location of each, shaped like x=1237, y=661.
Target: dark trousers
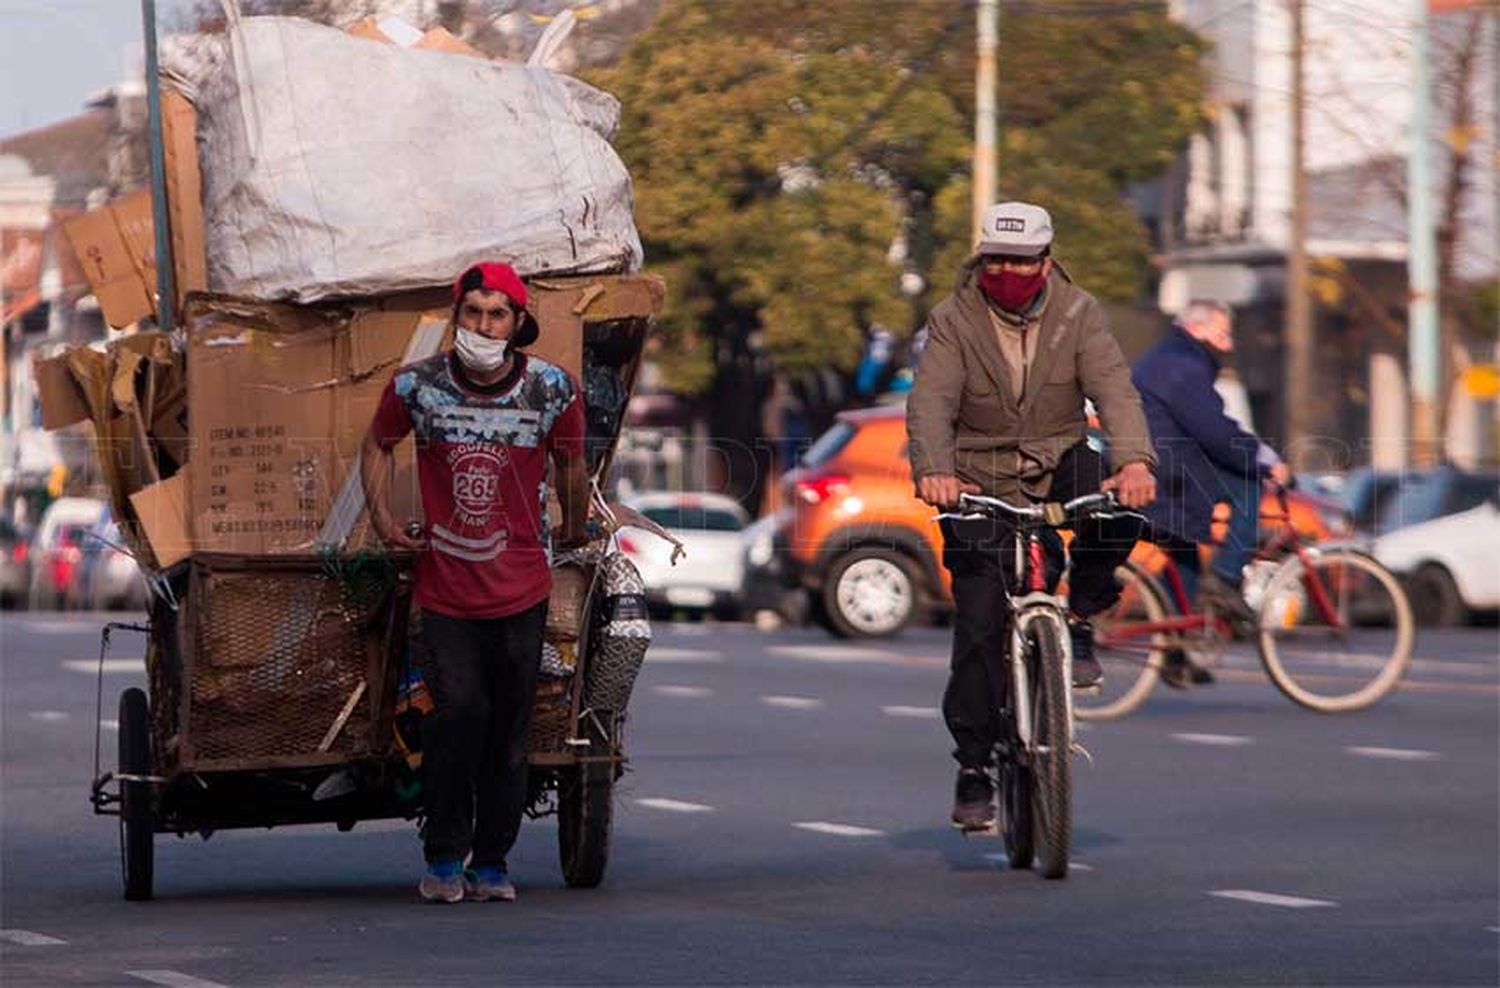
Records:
x=481, y=674
x=980, y=555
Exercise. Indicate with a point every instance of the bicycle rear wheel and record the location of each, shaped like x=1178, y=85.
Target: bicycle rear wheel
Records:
x=1052, y=754
x=1337, y=634
x=1131, y=655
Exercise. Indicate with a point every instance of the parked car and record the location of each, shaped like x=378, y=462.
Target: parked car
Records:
x=762, y=588
x=1449, y=565
x=868, y=554
x=108, y=577
x=15, y=565
x=57, y=549
x=708, y=578
x=1391, y=501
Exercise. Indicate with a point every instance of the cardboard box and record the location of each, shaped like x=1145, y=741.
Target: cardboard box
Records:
x=162, y=512
x=62, y=402
x=184, y=195
x=116, y=248
x=437, y=39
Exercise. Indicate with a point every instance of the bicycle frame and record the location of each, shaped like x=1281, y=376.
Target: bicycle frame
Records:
x=1036, y=604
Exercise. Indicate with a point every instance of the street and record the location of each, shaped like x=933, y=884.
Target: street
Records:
x=785, y=821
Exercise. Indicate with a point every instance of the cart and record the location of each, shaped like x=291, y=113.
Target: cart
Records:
x=280, y=688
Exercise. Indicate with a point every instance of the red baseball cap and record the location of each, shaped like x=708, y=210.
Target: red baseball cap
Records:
x=491, y=276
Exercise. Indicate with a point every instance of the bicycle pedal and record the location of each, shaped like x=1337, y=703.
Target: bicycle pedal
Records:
x=1088, y=690
x=993, y=830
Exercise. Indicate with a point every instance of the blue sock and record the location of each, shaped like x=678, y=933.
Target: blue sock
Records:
x=490, y=873
x=445, y=869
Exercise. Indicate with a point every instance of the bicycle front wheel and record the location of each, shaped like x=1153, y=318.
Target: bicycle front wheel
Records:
x=1336, y=633
x=1052, y=753
x=1129, y=650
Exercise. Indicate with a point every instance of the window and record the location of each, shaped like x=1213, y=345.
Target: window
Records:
x=828, y=445
x=695, y=518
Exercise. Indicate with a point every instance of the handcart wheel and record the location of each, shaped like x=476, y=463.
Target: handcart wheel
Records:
x=585, y=806
x=137, y=818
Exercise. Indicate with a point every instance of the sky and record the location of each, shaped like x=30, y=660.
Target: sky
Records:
x=54, y=54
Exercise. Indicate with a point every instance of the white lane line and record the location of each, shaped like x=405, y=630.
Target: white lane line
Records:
x=690, y=630
x=1492, y=929
x=111, y=666
x=792, y=702
x=1004, y=859
x=921, y=713
x=668, y=689
x=54, y=627
x=1219, y=740
x=832, y=653
x=658, y=654
x=1271, y=899
x=174, y=979
x=110, y=725
x=1393, y=754
x=838, y=829
x=48, y=716
x=26, y=938
x=673, y=805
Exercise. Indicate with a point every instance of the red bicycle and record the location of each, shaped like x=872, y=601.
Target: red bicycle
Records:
x=1334, y=628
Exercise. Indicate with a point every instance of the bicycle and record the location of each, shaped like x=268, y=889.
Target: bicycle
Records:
x=1334, y=628
x=1032, y=768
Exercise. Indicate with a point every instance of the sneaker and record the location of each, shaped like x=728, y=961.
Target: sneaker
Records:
x=488, y=884
x=1087, y=672
x=444, y=882
x=974, y=800
x=1181, y=672
x=1215, y=593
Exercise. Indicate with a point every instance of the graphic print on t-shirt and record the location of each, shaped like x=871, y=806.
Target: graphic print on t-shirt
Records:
x=482, y=458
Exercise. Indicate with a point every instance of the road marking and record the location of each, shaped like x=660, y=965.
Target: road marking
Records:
x=1220, y=740
x=833, y=653
x=1271, y=899
x=1004, y=859
x=1493, y=929
x=792, y=702
x=174, y=979
x=110, y=725
x=691, y=630
x=26, y=938
x=111, y=666
x=684, y=691
x=673, y=806
x=1394, y=754
x=48, y=716
x=658, y=654
x=921, y=713
x=838, y=829
x=52, y=626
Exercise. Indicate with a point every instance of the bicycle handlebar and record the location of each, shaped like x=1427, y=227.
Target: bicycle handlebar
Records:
x=1051, y=512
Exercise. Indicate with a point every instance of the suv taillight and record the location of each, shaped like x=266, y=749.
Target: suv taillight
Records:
x=18, y=552
x=816, y=490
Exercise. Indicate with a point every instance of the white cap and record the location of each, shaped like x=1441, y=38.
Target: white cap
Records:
x=1018, y=229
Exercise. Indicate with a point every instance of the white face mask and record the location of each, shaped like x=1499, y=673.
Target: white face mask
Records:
x=479, y=352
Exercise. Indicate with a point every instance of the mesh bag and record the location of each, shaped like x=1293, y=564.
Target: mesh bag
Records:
x=621, y=636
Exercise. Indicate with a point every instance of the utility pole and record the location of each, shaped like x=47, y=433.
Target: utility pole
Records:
x=1423, y=339
x=1299, y=336
x=166, y=289
x=986, y=79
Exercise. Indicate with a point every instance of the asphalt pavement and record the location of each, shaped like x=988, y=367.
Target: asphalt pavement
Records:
x=784, y=821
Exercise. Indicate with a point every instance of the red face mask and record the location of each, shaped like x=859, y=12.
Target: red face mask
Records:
x=1012, y=291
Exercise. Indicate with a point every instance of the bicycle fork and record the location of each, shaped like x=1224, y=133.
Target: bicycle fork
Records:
x=1030, y=609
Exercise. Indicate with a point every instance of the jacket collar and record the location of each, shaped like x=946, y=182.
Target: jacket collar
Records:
x=975, y=309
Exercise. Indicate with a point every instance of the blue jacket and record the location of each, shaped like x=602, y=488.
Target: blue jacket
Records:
x=1198, y=447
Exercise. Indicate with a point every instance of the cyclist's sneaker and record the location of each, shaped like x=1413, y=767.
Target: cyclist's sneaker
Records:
x=488, y=884
x=444, y=882
x=1087, y=672
x=1180, y=672
x=974, y=800
x=1216, y=594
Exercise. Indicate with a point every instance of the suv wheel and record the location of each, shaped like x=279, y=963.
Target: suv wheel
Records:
x=869, y=593
x=1435, y=599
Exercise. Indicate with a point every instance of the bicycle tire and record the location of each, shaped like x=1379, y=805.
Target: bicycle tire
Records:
x=1052, y=752
x=1279, y=620
x=1142, y=601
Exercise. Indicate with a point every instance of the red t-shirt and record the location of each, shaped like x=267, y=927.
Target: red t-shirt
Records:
x=482, y=466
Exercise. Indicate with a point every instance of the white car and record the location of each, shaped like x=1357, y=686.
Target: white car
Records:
x=708, y=578
x=1450, y=565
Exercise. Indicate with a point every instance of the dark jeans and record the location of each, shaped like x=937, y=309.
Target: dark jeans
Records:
x=1235, y=552
x=481, y=674
x=980, y=555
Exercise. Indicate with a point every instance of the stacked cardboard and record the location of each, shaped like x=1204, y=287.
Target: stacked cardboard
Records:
x=240, y=434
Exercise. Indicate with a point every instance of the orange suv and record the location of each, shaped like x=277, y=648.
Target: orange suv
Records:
x=869, y=554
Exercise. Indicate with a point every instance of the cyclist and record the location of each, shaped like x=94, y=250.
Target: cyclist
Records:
x=1203, y=457
x=997, y=407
